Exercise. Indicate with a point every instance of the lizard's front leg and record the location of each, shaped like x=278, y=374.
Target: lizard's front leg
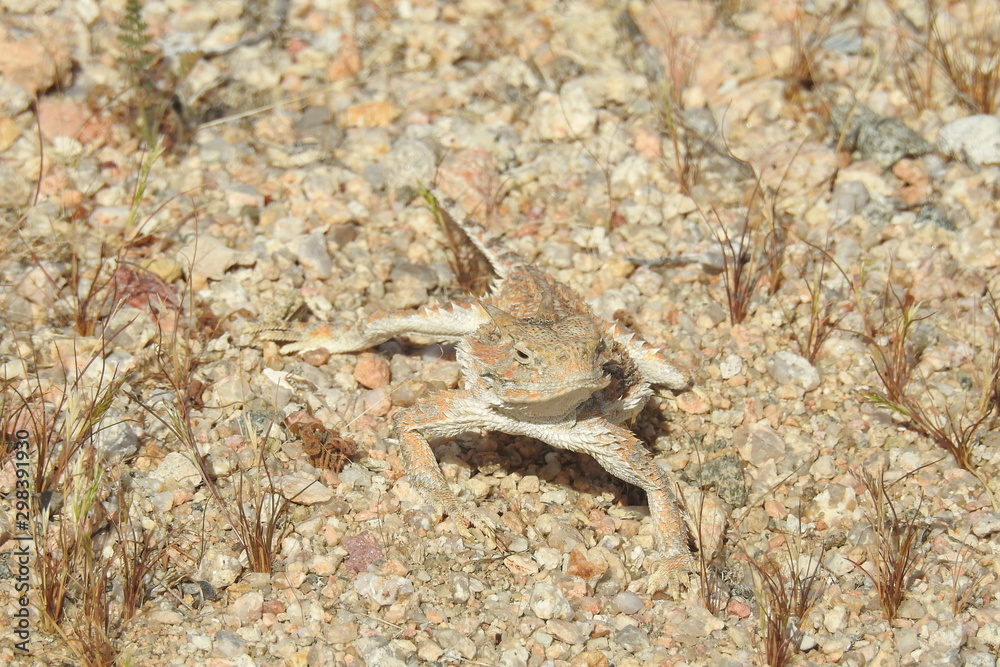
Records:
x=439, y=415
x=652, y=363
x=443, y=323
x=624, y=456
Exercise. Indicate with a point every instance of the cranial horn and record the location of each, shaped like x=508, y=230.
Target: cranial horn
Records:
x=501, y=318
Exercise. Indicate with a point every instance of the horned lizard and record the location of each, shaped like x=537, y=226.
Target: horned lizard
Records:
x=535, y=362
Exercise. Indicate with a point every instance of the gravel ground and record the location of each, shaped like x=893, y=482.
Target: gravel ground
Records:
x=624, y=147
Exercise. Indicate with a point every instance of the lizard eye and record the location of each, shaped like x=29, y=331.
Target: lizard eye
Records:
x=522, y=354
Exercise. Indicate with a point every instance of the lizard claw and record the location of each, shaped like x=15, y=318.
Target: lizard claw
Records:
x=298, y=338
x=670, y=576
x=494, y=532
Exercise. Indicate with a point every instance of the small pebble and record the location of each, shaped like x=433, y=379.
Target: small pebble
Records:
x=372, y=371
x=547, y=601
x=975, y=139
x=628, y=602
x=731, y=366
x=788, y=367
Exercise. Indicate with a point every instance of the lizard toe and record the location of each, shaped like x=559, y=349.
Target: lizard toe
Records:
x=670, y=576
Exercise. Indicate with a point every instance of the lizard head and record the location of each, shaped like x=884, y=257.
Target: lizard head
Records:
x=536, y=367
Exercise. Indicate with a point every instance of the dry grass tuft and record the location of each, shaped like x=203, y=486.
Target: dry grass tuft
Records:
x=785, y=593
x=954, y=427
x=256, y=511
x=959, y=42
x=893, y=550
x=825, y=314
x=260, y=508
x=91, y=581
x=969, y=580
x=753, y=257
x=969, y=54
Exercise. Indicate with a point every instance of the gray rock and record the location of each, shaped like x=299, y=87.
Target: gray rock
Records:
x=14, y=188
x=11, y=368
x=697, y=623
x=611, y=582
x=229, y=644
x=849, y=197
x=217, y=149
x=115, y=440
x=375, y=175
x=701, y=121
x=911, y=609
x=130, y=329
x=288, y=228
x=632, y=638
x=628, y=602
x=977, y=659
x=884, y=140
x=16, y=310
x=377, y=650
x=207, y=257
x=879, y=211
x=453, y=640
x=423, y=275
x=460, y=591
x=355, y=476
x=789, y=368
x=986, y=525
x=932, y=215
x=177, y=469
x=989, y=634
x=823, y=467
x=409, y=163
x=568, y=631
x=547, y=601
x=975, y=139
x=724, y=474
x=302, y=489
x=314, y=118
x=949, y=636
x=808, y=643
x=569, y=115
x=731, y=366
x=907, y=641
x=199, y=641
x=14, y=99
x=847, y=42
x=313, y=256
x=759, y=444
x=558, y=255
x=218, y=568
x=382, y=589
x=518, y=545
x=265, y=423
x=317, y=122
x=514, y=657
